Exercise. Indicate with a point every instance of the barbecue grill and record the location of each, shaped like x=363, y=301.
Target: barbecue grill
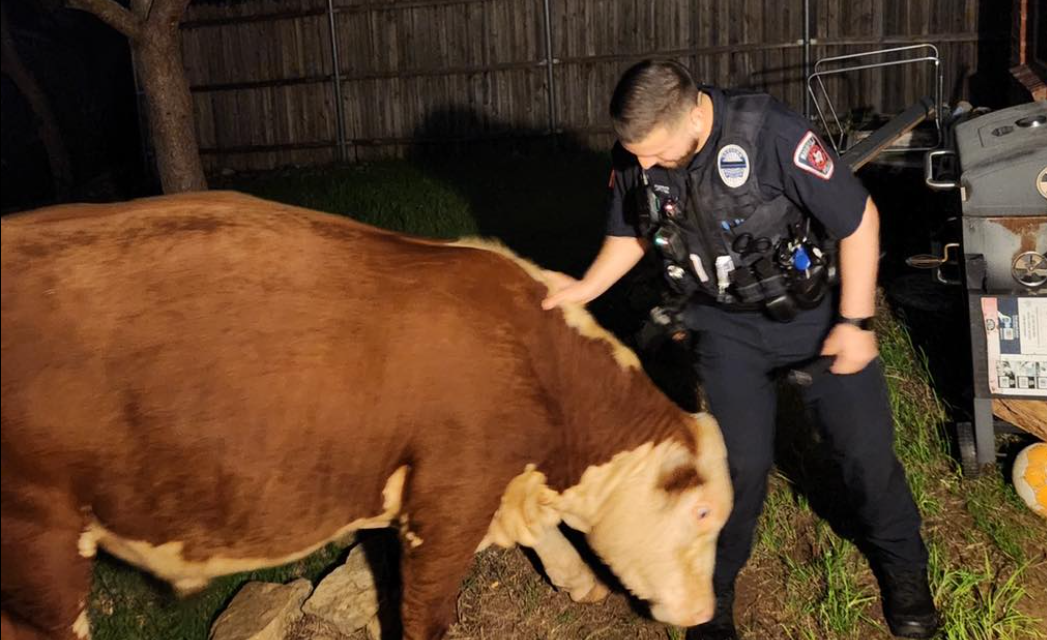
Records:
x=1002, y=188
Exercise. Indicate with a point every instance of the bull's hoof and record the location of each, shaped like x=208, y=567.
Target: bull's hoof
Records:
x=596, y=594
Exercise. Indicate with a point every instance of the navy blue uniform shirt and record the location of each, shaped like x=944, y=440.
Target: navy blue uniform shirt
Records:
x=828, y=190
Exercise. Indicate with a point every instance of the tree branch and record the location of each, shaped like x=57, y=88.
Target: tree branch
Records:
x=168, y=12
x=141, y=8
x=111, y=13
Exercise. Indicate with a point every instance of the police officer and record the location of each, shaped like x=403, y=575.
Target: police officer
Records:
x=743, y=202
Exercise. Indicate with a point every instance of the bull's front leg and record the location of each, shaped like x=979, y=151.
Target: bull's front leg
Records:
x=431, y=580
x=566, y=569
x=528, y=517
x=439, y=533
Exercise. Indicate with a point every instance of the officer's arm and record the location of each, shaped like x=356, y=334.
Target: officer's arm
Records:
x=859, y=258
x=618, y=255
x=853, y=349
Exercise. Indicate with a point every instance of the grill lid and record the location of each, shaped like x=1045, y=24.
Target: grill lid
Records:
x=1002, y=156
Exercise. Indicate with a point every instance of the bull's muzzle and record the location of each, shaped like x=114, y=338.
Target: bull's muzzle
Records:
x=686, y=614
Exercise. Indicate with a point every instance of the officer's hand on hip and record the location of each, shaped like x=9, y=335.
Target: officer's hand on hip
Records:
x=852, y=347
x=564, y=288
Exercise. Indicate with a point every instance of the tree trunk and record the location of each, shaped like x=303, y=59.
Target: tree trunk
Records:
x=169, y=109
x=57, y=155
x=151, y=27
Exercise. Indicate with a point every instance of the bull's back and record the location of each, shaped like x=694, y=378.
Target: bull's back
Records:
x=217, y=364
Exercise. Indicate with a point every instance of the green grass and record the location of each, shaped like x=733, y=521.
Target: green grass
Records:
x=675, y=633
x=549, y=208
x=979, y=595
x=843, y=603
x=391, y=195
x=980, y=602
x=992, y=514
x=977, y=602
x=823, y=597
x=777, y=531
x=125, y=603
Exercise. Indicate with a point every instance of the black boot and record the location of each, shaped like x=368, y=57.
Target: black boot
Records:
x=721, y=627
x=907, y=603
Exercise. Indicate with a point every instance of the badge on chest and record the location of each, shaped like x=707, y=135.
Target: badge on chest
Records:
x=732, y=162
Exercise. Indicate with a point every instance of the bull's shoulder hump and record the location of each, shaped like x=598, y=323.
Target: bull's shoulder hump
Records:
x=499, y=253
x=574, y=315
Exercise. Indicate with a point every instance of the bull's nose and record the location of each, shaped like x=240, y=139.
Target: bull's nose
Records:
x=701, y=617
x=689, y=616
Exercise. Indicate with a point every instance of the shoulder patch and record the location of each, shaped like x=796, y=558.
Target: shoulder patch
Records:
x=812, y=157
x=733, y=165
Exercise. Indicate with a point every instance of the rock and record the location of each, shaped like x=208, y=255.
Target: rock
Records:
x=262, y=611
x=347, y=598
x=313, y=628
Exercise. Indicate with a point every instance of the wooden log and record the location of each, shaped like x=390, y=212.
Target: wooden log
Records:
x=1028, y=415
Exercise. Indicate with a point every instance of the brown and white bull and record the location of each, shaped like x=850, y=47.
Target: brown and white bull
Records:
x=212, y=383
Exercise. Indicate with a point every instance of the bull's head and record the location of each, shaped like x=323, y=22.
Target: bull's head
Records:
x=653, y=515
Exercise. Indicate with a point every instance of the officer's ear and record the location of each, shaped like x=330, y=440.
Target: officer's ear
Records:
x=695, y=115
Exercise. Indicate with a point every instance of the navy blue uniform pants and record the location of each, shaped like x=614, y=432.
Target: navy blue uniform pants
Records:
x=739, y=356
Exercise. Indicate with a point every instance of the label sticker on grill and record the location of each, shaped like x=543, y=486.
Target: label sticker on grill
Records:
x=1016, y=345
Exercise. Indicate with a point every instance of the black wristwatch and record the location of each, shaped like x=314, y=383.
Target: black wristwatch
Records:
x=865, y=324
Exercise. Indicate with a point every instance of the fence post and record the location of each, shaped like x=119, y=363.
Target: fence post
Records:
x=547, y=14
x=337, y=76
x=806, y=58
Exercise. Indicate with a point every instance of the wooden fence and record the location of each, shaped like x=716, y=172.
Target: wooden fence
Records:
x=266, y=81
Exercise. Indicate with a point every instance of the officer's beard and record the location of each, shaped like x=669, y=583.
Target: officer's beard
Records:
x=685, y=159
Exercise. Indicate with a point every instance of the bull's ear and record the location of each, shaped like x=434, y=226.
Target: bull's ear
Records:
x=715, y=491
x=708, y=440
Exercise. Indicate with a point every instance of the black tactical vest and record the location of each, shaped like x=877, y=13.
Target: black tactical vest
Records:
x=739, y=244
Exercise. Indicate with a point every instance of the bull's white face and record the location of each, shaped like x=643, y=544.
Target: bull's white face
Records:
x=657, y=525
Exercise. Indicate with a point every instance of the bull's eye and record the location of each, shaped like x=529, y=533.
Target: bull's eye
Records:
x=704, y=512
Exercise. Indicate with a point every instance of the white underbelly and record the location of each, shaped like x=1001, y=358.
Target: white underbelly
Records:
x=167, y=560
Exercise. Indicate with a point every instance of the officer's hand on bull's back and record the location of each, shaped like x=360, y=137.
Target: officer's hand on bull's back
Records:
x=617, y=256
x=852, y=347
x=563, y=288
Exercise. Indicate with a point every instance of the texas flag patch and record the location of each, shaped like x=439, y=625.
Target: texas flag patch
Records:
x=812, y=157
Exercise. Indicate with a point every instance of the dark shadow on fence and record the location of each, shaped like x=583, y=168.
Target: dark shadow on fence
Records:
x=992, y=84
x=542, y=196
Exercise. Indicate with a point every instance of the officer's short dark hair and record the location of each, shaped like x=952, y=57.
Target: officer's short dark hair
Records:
x=650, y=93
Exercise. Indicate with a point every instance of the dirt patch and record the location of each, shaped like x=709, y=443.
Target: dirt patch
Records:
x=505, y=597
x=313, y=628
x=1035, y=603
